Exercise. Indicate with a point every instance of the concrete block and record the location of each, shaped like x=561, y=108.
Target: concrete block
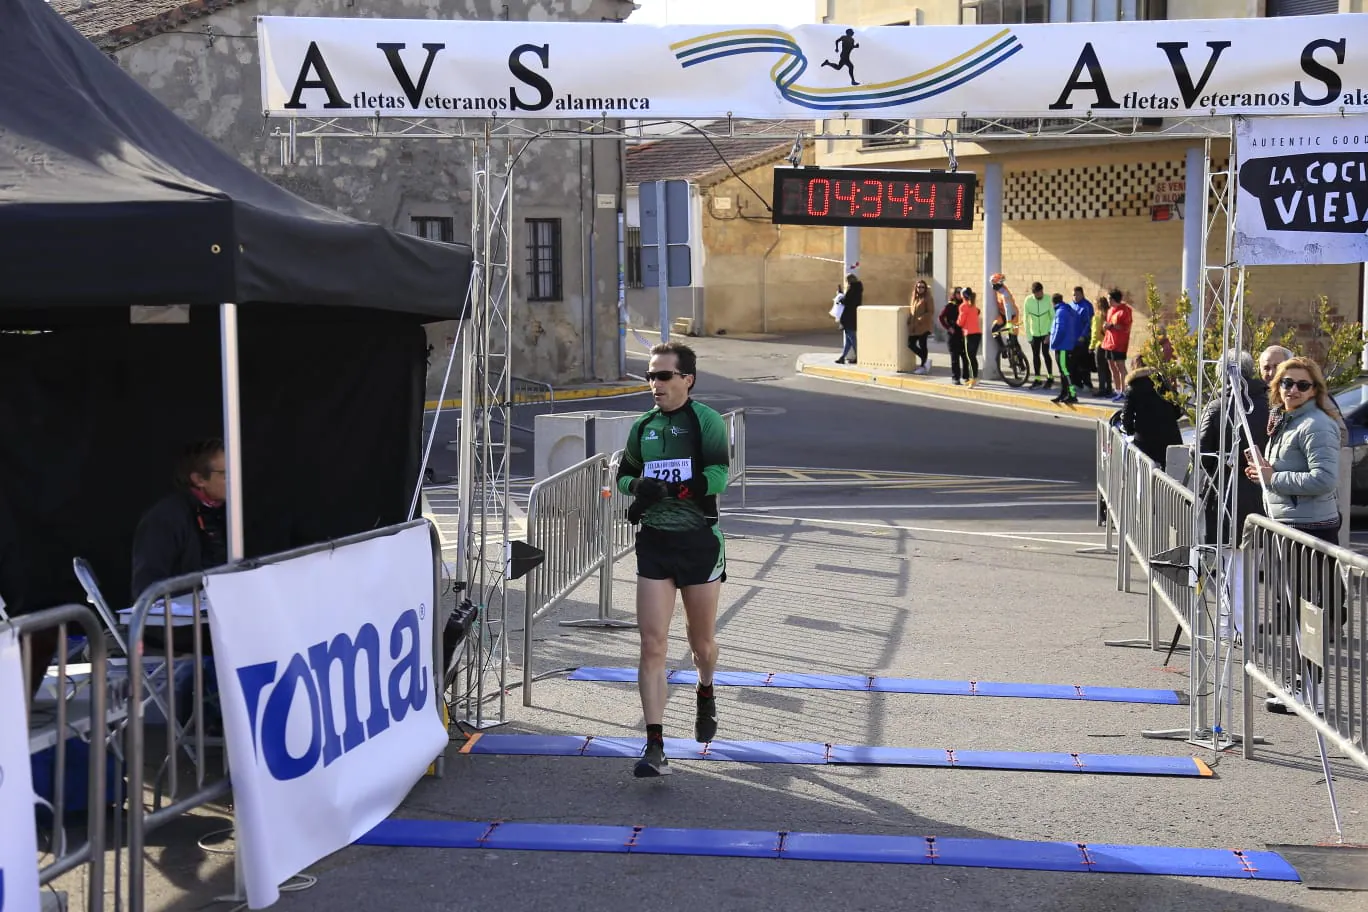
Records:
x=881, y=339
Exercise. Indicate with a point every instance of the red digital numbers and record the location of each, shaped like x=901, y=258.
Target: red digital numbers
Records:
x=877, y=194
x=825, y=205
x=889, y=198
x=849, y=198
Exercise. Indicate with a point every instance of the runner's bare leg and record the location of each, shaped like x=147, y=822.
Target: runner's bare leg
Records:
x=655, y=603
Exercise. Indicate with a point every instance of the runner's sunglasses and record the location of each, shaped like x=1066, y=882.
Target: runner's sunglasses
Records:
x=1301, y=385
x=664, y=375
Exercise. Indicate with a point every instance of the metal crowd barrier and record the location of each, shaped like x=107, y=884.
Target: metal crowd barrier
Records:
x=1133, y=520
x=567, y=518
x=1171, y=524
x=1305, y=626
x=163, y=606
x=84, y=709
x=736, y=449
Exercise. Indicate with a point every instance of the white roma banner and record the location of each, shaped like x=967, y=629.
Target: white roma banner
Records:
x=1303, y=196
x=18, y=838
x=322, y=67
x=325, y=671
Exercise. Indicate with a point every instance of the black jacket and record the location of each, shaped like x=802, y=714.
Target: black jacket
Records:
x=1151, y=418
x=854, y=296
x=1248, y=494
x=13, y=584
x=178, y=535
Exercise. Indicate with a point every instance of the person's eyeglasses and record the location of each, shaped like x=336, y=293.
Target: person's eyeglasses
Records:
x=1299, y=385
x=664, y=375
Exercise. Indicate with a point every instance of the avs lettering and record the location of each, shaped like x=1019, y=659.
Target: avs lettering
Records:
x=272, y=693
x=527, y=65
x=1315, y=192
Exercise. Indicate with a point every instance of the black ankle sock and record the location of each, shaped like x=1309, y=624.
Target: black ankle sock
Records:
x=655, y=733
x=705, y=691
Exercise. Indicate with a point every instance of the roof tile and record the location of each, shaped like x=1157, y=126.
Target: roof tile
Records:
x=113, y=24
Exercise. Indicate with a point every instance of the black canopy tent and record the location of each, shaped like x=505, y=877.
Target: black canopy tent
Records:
x=109, y=202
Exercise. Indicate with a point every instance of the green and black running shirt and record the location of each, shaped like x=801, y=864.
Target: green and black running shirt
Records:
x=687, y=446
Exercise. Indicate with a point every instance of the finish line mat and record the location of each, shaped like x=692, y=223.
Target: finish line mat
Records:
x=876, y=684
x=916, y=850
x=812, y=752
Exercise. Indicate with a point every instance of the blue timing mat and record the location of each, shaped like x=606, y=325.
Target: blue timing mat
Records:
x=817, y=753
x=918, y=850
x=875, y=684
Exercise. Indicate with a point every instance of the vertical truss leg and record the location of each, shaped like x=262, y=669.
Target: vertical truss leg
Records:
x=481, y=697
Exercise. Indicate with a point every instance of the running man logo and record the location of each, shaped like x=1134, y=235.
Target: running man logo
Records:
x=270, y=698
x=792, y=64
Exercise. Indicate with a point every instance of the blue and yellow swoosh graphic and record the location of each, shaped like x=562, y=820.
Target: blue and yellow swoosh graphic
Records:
x=793, y=64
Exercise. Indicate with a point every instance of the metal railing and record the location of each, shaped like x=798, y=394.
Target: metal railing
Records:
x=81, y=706
x=1133, y=519
x=567, y=518
x=1171, y=525
x=1305, y=625
x=178, y=604
x=736, y=449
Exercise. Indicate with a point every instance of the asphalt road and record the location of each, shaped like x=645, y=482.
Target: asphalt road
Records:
x=848, y=451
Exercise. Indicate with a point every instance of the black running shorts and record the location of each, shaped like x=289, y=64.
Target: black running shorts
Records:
x=690, y=558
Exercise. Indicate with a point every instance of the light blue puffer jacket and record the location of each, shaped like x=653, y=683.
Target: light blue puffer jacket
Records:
x=1305, y=455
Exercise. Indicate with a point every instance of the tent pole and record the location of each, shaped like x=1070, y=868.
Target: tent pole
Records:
x=232, y=426
x=232, y=461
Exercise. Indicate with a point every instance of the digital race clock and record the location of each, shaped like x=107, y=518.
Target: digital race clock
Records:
x=879, y=199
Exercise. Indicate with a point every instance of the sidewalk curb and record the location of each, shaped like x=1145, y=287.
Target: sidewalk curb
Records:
x=566, y=395
x=930, y=387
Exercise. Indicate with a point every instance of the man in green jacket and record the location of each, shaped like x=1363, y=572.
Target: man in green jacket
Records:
x=1039, y=317
x=675, y=465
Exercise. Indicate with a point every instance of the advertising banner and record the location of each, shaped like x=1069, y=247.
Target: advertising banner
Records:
x=18, y=838
x=329, y=68
x=325, y=674
x=1303, y=194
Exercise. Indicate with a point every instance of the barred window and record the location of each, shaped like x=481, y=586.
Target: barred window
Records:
x=543, y=259
x=632, y=268
x=435, y=228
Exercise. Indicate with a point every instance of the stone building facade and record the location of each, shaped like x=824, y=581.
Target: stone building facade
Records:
x=199, y=58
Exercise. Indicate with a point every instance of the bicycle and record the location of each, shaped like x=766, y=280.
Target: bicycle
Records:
x=1012, y=365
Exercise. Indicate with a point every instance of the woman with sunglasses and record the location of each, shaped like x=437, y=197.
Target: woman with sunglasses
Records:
x=1300, y=466
x=1299, y=470
x=919, y=324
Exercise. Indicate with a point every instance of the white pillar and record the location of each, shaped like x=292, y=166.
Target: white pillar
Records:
x=852, y=250
x=940, y=267
x=232, y=426
x=992, y=254
x=1194, y=196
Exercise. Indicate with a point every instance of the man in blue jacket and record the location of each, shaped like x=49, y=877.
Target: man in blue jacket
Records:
x=1063, y=342
x=1079, y=354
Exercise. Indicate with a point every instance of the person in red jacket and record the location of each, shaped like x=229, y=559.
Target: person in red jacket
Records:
x=971, y=324
x=1116, y=340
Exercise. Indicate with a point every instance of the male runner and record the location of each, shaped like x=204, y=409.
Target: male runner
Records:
x=675, y=465
x=844, y=46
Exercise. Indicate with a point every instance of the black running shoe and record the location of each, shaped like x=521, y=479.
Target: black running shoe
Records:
x=705, y=723
x=652, y=762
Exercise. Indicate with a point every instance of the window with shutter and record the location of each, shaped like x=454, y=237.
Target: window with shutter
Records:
x=1301, y=7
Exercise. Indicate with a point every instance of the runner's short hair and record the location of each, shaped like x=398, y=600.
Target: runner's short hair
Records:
x=686, y=361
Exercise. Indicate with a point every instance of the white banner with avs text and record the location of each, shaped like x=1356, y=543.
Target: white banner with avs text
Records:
x=325, y=671
x=1303, y=191
x=331, y=67
x=18, y=839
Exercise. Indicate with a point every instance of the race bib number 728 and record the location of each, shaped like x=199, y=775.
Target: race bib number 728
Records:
x=670, y=469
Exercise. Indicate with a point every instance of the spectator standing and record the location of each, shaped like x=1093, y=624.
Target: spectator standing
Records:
x=1063, y=336
x=954, y=337
x=1116, y=330
x=1300, y=474
x=1150, y=418
x=1039, y=313
x=852, y=296
x=1248, y=496
x=971, y=322
x=1095, y=337
x=1269, y=359
x=1078, y=355
x=919, y=318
